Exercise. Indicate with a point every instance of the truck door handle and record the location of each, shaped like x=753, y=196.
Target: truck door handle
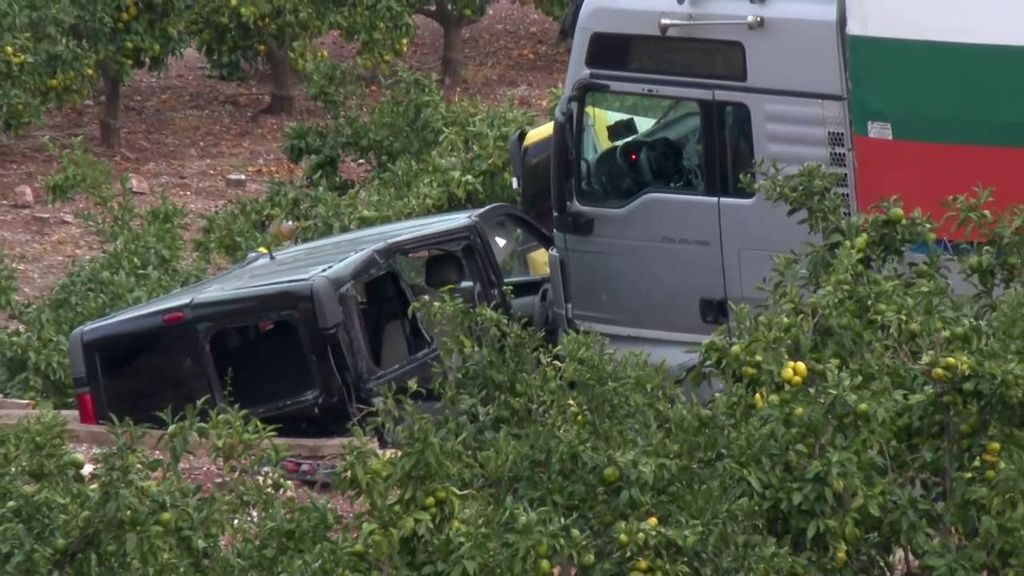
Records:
x=714, y=310
x=574, y=223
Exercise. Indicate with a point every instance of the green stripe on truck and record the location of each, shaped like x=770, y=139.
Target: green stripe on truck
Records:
x=937, y=92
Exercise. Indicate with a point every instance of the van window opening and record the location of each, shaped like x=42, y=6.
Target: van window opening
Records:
x=150, y=372
x=262, y=363
x=393, y=336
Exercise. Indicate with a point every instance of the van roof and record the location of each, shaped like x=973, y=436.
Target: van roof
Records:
x=335, y=256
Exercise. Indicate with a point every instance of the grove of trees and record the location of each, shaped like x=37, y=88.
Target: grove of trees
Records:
x=61, y=53
x=870, y=422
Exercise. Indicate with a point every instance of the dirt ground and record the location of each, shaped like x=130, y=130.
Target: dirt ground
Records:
x=183, y=132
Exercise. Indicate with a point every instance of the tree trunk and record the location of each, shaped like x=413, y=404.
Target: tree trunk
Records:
x=110, y=113
x=451, y=58
x=282, y=95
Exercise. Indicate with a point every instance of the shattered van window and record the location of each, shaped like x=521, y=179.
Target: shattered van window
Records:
x=151, y=372
x=261, y=364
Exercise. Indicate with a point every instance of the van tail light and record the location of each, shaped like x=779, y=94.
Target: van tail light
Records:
x=172, y=318
x=86, y=410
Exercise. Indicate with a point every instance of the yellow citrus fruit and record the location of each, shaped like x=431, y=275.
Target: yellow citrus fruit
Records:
x=796, y=381
x=790, y=364
x=652, y=521
x=787, y=374
x=949, y=363
x=8, y=51
x=993, y=448
x=758, y=400
x=748, y=372
x=939, y=375
x=53, y=84
x=798, y=411
x=800, y=369
x=125, y=18
x=990, y=458
x=841, y=557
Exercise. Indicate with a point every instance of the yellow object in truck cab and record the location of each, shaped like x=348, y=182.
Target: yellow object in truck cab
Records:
x=598, y=116
x=538, y=263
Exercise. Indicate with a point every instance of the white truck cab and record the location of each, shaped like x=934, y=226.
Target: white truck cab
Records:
x=664, y=108
x=667, y=103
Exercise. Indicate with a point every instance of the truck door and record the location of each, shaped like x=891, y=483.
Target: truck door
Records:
x=790, y=131
x=644, y=252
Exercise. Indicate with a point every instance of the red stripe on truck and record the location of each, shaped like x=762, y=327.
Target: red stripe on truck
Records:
x=925, y=175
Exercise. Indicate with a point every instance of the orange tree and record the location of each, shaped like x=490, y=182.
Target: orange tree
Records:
x=282, y=33
x=453, y=16
x=124, y=36
x=870, y=422
x=564, y=11
x=40, y=65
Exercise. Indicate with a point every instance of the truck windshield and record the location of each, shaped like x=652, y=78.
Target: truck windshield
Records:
x=634, y=143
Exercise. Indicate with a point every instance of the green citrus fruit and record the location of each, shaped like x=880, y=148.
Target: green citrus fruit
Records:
x=76, y=461
x=610, y=474
x=165, y=519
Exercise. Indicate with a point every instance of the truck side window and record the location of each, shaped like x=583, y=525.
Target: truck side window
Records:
x=736, y=151
x=636, y=143
x=632, y=144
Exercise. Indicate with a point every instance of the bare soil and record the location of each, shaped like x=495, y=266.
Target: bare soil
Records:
x=184, y=132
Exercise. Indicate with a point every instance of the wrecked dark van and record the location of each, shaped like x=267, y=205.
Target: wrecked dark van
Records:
x=305, y=337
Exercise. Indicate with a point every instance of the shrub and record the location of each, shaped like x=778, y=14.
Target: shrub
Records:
x=870, y=414
x=143, y=256
x=139, y=512
x=428, y=155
